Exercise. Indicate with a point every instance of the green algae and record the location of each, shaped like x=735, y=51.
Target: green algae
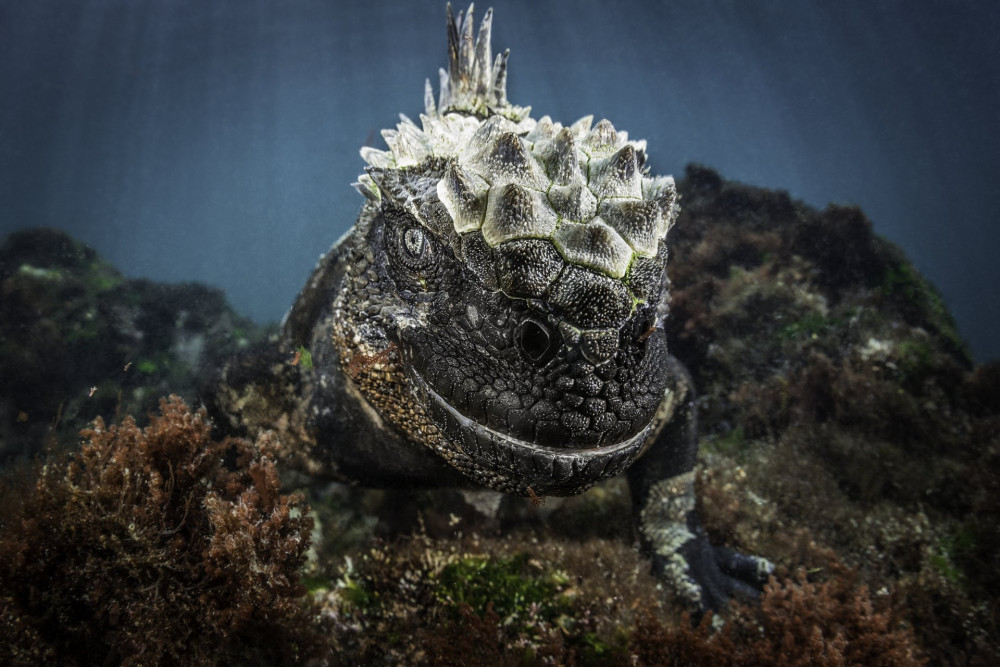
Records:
x=513, y=586
x=305, y=358
x=147, y=366
x=811, y=325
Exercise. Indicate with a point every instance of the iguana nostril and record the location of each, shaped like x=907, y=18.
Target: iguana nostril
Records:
x=535, y=341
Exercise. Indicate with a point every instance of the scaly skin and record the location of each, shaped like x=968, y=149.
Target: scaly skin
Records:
x=494, y=319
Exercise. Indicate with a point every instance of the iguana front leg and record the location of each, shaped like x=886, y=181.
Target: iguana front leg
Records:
x=662, y=485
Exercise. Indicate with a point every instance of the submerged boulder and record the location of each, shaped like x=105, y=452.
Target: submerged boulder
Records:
x=78, y=339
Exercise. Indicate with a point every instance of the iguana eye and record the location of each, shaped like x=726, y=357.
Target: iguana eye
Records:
x=414, y=242
x=414, y=250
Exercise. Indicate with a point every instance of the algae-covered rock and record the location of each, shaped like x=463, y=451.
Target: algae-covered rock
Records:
x=78, y=339
x=840, y=411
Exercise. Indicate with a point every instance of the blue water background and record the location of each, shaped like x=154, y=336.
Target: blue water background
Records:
x=216, y=140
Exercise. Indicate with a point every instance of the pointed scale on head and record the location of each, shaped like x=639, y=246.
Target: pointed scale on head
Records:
x=559, y=233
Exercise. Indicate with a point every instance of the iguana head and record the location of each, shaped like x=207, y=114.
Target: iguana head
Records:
x=521, y=282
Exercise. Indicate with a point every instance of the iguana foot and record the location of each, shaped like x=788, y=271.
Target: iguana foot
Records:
x=702, y=574
x=721, y=574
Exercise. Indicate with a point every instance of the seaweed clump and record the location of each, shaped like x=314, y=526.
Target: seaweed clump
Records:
x=491, y=601
x=798, y=622
x=157, y=546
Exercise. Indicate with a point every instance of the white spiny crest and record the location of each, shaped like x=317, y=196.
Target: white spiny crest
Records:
x=472, y=84
x=584, y=189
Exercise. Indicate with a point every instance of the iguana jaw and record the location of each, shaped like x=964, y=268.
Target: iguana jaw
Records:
x=527, y=467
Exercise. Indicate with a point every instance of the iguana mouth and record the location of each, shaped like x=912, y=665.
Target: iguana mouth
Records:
x=545, y=470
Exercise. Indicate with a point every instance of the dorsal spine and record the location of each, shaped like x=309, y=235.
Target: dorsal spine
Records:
x=472, y=83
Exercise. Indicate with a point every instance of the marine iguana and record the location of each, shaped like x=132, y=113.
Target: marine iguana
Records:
x=495, y=319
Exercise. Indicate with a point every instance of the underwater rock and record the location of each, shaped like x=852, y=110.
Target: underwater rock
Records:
x=840, y=412
x=78, y=339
